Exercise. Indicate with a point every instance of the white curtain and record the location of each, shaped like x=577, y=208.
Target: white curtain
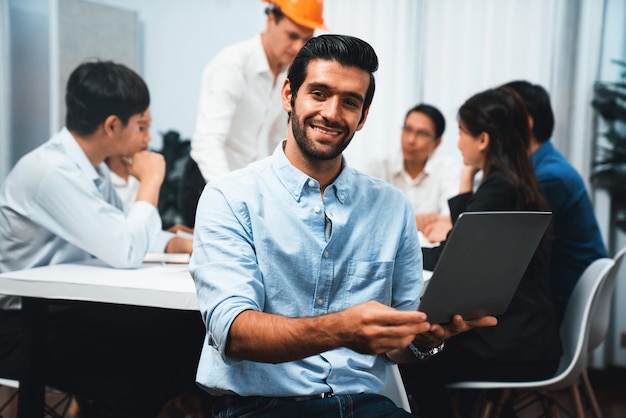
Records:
x=393, y=29
x=443, y=51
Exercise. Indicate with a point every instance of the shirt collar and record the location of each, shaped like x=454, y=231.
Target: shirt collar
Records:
x=398, y=167
x=295, y=180
x=76, y=154
x=541, y=152
x=261, y=65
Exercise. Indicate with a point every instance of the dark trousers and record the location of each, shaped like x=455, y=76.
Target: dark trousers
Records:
x=339, y=406
x=191, y=185
x=126, y=361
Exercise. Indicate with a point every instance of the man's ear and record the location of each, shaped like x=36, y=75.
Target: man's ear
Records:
x=286, y=95
x=111, y=125
x=363, y=119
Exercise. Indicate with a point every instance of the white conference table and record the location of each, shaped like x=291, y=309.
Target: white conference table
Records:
x=153, y=284
x=160, y=285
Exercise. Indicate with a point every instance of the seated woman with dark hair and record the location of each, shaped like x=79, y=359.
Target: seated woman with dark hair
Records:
x=525, y=345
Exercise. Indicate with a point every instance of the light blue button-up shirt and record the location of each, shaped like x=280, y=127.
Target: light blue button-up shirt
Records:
x=260, y=244
x=56, y=207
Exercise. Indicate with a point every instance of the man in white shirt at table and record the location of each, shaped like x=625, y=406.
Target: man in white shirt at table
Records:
x=58, y=205
x=427, y=179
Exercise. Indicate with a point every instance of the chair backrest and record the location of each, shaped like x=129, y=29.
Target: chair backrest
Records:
x=601, y=309
x=576, y=320
x=394, y=389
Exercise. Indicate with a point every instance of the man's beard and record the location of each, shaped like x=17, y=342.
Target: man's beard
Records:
x=307, y=145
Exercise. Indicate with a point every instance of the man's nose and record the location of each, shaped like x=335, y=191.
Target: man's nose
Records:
x=331, y=108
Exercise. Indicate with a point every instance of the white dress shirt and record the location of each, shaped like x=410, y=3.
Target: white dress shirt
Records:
x=240, y=116
x=55, y=207
x=430, y=190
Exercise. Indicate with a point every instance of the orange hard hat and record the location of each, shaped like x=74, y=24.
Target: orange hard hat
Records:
x=308, y=13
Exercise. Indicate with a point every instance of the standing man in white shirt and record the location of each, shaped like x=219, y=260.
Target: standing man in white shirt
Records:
x=58, y=205
x=240, y=118
x=428, y=181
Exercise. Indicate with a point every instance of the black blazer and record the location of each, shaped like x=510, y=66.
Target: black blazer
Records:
x=528, y=330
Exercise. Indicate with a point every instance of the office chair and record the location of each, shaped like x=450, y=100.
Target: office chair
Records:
x=394, y=389
x=599, y=323
x=591, y=292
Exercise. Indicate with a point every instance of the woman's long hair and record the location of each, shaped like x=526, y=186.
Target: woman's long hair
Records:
x=501, y=113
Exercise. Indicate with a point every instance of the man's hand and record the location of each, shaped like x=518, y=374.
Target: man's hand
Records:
x=437, y=333
x=375, y=328
x=149, y=168
x=179, y=245
x=438, y=231
x=422, y=220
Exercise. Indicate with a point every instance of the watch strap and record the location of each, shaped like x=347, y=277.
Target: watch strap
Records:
x=423, y=355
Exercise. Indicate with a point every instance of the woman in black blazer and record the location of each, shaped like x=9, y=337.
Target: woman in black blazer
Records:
x=525, y=345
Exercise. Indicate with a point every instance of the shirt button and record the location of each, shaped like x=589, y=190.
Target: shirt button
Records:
x=311, y=183
x=342, y=197
x=325, y=254
x=320, y=301
x=316, y=209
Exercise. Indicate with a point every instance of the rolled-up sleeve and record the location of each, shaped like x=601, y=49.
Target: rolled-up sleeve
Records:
x=224, y=265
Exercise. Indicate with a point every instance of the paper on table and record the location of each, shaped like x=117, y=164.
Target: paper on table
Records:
x=175, y=258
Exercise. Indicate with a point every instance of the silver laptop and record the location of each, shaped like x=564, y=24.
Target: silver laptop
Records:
x=485, y=257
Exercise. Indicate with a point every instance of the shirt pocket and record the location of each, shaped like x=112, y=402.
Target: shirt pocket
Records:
x=368, y=280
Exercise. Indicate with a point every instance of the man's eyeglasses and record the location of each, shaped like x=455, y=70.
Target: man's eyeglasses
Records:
x=420, y=134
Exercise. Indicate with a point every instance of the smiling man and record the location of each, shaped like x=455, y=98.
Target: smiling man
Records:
x=308, y=272
x=239, y=118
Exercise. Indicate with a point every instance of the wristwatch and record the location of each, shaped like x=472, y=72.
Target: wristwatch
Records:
x=423, y=355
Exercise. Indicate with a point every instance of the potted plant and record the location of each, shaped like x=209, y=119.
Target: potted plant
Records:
x=609, y=165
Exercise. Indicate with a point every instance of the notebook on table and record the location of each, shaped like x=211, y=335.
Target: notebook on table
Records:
x=485, y=257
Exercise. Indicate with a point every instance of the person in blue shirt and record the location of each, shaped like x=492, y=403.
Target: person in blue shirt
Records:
x=577, y=238
x=308, y=272
x=58, y=205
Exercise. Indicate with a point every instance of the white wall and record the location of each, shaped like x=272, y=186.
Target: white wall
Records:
x=4, y=89
x=179, y=39
x=29, y=109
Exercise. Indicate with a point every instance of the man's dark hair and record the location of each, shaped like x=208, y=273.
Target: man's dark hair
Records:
x=345, y=50
x=276, y=11
x=97, y=90
x=434, y=114
x=537, y=101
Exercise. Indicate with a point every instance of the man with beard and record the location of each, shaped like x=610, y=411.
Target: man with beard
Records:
x=308, y=272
